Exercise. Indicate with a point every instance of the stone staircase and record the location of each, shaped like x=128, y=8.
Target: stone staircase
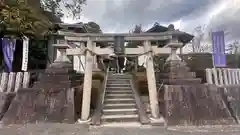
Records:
x=119, y=104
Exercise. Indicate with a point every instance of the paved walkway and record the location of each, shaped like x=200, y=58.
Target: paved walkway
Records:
x=76, y=129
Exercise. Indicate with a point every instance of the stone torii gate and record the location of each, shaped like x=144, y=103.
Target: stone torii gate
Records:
x=91, y=50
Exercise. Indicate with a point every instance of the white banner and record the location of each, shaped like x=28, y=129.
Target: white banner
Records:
x=25, y=54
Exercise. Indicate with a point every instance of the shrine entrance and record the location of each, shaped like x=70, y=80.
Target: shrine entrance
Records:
x=89, y=49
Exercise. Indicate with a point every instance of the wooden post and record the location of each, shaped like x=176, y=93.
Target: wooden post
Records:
x=151, y=81
x=11, y=82
x=220, y=73
x=238, y=75
x=215, y=75
x=26, y=79
x=19, y=79
x=209, y=76
x=87, y=86
x=225, y=75
x=4, y=82
x=76, y=63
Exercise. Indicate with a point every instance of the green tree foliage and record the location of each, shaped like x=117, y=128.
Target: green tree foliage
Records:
x=93, y=27
x=19, y=19
x=137, y=29
x=32, y=17
x=58, y=7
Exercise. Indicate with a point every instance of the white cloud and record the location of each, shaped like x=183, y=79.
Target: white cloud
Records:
x=123, y=15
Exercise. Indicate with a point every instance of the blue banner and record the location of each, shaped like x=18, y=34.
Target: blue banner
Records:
x=8, y=48
x=218, y=44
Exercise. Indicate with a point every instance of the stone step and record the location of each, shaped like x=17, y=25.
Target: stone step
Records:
x=118, y=82
x=117, y=111
x=119, y=92
x=185, y=81
x=59, y=70
x=49, y=85
x=119, y=106
x=118, y=88
x=167, y=75
x=52, y=78
x=117, y=97
x=181, y=68
x=118, y=79
x=119, y=101
x=114, y=79
x=120, y=118
x=120, y=75
x=119, y=85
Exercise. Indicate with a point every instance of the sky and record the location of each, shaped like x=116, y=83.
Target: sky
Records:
x=123, y=15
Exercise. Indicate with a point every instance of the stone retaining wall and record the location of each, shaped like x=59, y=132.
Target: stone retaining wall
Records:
x=5, y=101
x=199, y=105
x=50, y=100
x=232, y=97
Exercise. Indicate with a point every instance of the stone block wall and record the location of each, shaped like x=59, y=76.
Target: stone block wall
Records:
x=195, y=105
x=51, y=99
x=5, y=101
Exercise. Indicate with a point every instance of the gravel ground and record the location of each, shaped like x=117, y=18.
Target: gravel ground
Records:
x=77, y=129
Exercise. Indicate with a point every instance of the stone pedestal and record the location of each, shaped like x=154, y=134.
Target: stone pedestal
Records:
x=176, y=69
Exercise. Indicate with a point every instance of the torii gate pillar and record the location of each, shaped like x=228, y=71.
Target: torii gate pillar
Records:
x=87, y=86
x=151, y=82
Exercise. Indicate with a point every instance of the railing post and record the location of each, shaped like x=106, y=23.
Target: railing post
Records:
x=215, y=75
x=26, y=79
x=235, y=76
x=11, y=82
x=230, y=81
x=238, y=75
x=220, y=74
x=209, y=76
x=225, y=76
x=4, y=82
x=19, y=79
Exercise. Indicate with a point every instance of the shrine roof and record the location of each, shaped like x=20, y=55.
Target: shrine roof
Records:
x=183, y=36
x=77, y=27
